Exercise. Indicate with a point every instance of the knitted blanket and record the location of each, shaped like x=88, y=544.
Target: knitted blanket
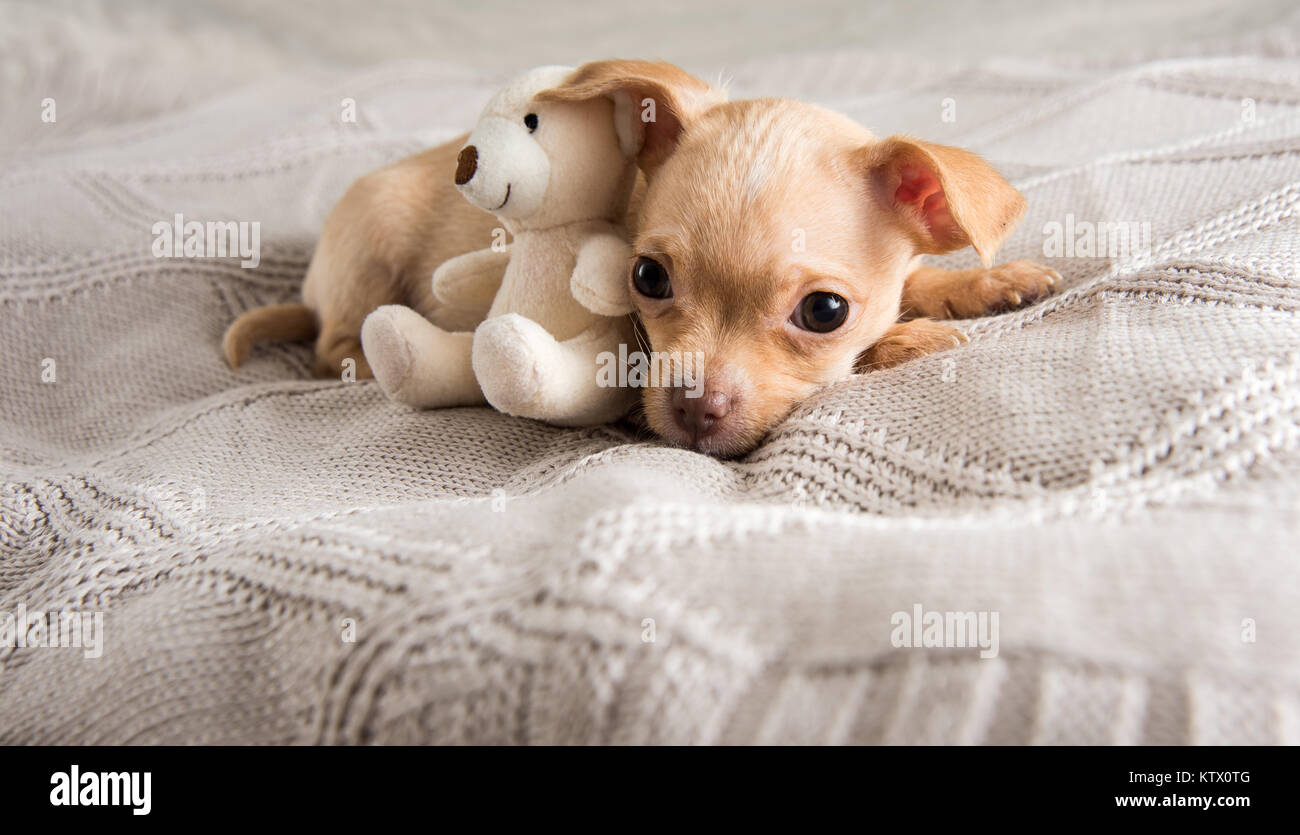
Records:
x=1081, y=527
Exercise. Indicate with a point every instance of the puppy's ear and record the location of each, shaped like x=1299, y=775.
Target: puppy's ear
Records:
x=654, y=102
x=945, y=197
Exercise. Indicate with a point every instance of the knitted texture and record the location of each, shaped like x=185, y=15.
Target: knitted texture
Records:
x=278, y=559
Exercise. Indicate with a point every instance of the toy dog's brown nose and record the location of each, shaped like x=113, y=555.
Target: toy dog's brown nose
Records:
x=701, y=415
x=466, y=164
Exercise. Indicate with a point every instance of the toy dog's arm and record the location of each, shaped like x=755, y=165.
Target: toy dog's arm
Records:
x=471, y=280
x=599, y=280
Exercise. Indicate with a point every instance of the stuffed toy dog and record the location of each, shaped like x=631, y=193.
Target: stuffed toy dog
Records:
x=558, y=176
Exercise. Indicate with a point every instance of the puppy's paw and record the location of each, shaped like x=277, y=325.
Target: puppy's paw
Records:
x=1001, y=289
x=342, y=357
x=908, y=340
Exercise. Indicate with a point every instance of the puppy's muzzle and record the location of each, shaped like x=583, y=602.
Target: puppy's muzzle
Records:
x=701, y=416
x=466, y=164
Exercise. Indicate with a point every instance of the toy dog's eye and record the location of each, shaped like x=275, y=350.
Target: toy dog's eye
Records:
x=651, y=279
x=821, y=312
x=530, y=122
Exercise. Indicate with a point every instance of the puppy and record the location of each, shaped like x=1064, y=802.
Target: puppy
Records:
x=777, y=240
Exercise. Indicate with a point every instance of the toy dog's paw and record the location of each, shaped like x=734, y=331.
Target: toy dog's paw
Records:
x=599, y=280
x=1004, y=288
x=607, y=297
x=508, y=352
x=387, y=349
x=444, y=282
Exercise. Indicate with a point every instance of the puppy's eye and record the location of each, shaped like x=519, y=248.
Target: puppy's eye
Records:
x=651, y=279
x=530, y=122
x=821, y=312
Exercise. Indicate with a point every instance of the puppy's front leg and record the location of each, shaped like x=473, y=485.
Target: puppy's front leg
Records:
x=969, y=294
x=907, y=340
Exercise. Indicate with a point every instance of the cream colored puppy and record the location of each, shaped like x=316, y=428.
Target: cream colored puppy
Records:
x=558, y=175
x=781, y=242
x=731, y=187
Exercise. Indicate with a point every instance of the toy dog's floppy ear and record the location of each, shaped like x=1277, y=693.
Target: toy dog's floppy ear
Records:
x=945, y=197
x=654, y=102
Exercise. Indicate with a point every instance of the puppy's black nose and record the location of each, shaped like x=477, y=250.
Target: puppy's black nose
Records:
x=466, y=164
x=700, y=416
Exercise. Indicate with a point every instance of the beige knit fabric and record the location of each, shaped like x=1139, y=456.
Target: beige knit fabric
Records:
x=285, y=560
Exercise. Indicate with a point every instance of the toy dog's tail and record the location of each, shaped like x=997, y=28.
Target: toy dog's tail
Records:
x=278, y=322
